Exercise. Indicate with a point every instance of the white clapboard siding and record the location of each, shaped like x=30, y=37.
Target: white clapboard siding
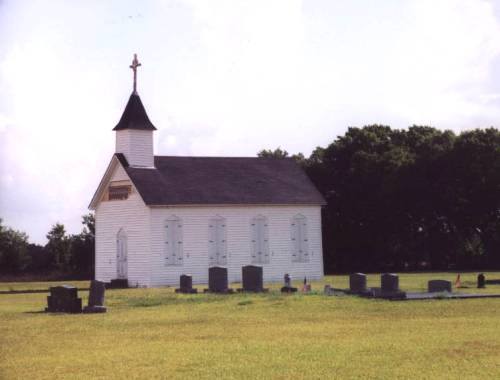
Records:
x=133, y=217
x=196, y=221
x=137, y=146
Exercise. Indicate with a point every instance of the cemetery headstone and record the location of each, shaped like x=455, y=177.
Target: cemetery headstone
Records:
x=328, y=290
x=357, y=283
x=306, y=288
x=64, y=299
x=217, y=280
x=118, y=283
x=288, y=288
x=389, y=283
x=96, y=298
x=435, y=286
x=186, y=285
x=252, y=279
x=481, y=281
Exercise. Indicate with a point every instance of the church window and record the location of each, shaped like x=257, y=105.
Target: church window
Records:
x=259, y=240
x=217, y=252
x=173, y=241
x=300, y=243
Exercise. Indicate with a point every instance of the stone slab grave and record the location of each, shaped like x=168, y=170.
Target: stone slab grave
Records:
x=288, y=288
x=252, y=279
x=64, y=299
x=217, y=281
x=96, y=298
x=438, y=286
x=328, y=290
x=444, y=296
x=186, y=285
x=357, y=283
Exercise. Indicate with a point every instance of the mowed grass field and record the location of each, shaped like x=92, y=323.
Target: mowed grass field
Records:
x=157, y=334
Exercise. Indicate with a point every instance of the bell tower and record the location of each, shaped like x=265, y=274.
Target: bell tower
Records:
x=134, y=131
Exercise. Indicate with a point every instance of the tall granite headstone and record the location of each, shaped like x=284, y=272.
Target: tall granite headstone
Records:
x=217, y=280
x=96, y=298
x=357, y=283
x=252, y=279
x=389, y=283
x=186, y=285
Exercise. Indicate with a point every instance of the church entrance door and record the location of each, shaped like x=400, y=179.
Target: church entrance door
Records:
x=121, y=255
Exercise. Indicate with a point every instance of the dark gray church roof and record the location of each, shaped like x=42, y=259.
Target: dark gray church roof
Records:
x=222, y=180
x=134, y=116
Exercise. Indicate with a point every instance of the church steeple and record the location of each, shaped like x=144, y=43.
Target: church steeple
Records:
x=134, y=116
x=134, y=131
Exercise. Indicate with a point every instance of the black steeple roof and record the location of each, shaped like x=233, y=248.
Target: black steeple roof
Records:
x=134, y=116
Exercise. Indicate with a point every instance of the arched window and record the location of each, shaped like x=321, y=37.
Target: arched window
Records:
x=217, y=252
x=173, y=241
x=300, y=244
x=259, y=234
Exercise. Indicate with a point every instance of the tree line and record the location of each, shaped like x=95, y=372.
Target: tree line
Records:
x=411, y=199
x=64, y=255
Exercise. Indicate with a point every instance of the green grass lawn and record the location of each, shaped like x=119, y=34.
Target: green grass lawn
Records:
x=156, y=334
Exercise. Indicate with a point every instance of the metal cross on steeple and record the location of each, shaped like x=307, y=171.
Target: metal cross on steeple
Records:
x=135, y=64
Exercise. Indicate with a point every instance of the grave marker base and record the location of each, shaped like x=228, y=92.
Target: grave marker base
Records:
x=288, y=289
x=224, y=291
x=263, y=290
x=94, y=309
x=186, y=291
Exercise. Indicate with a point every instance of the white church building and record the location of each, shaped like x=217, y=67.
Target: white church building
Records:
x=158, y=217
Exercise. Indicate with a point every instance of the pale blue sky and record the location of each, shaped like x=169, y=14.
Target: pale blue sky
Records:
x=224, y=78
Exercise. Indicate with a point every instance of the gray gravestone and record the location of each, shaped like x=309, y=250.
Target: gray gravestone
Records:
x=186, y=285
x=434, y=286
x=217, y=280
x=389, y=283
x=96, y=298
x=252, y=278
x=328, y=290
x=481, y=281
x=64, y=299
x=357, y=283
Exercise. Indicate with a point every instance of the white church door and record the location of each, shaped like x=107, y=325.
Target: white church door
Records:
x=121, y=255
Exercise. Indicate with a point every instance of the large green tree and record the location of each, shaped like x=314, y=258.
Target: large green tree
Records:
x=409, y=199
x=13, y=250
